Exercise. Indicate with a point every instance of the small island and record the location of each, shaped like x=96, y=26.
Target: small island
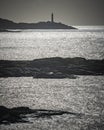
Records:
x=7, y=24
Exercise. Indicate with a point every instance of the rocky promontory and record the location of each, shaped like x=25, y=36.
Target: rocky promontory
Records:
x=7, y=24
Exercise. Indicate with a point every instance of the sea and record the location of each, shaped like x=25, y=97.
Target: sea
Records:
x=84, y=95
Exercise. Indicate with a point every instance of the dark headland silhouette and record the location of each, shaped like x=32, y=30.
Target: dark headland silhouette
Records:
x=7, y=24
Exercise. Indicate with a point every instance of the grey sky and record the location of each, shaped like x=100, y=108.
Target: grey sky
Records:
x=71, y=12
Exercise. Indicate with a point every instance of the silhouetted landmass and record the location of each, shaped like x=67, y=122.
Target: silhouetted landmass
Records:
x=55, y=67
x=19, y=114
x=7, y=24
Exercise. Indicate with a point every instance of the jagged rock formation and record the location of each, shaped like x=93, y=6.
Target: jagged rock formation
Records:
x=19, y=114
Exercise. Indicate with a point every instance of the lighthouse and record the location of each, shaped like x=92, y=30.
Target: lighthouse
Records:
x=52, y=18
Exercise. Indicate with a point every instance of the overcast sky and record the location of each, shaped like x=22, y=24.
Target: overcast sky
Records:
x=71, y=12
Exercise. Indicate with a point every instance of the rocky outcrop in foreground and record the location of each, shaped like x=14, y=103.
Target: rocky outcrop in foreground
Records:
x=21, y=114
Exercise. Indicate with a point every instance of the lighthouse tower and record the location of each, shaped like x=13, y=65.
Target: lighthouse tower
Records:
x=52, y=18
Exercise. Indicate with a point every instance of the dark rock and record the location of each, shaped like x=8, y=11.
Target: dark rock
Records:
x=18, y=114
x=55, y=67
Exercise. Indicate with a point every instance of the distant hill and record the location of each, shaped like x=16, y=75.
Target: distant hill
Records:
x=7, y=24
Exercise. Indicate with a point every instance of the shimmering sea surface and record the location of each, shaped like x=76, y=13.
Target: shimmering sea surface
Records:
x=85, y=94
